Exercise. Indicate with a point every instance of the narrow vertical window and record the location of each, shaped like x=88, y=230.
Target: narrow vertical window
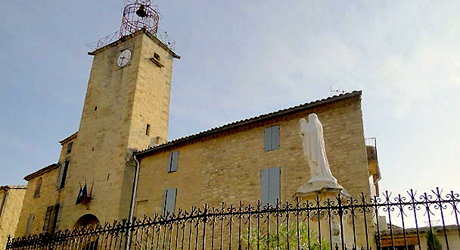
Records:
x=62, y=175
x=270, y=186
x=51, y=218
x=272, y=138
x=147, y=129
x=173, y=161
x=69, y=147
x=169, y=201
x=30, y=222
x=38, y=187
x=46, y=224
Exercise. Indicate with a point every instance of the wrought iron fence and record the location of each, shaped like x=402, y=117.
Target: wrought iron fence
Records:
x=415, y=221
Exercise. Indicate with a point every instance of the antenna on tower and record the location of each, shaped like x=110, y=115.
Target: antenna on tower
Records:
x=336, y=91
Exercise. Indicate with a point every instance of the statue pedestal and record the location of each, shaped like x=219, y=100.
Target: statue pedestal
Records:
x=323, y=189
x=330, y=222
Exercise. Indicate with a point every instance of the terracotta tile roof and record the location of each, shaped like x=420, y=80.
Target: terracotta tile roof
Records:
x=13, y=187
x=41, y=171
x=248, y=121
x=70, y=137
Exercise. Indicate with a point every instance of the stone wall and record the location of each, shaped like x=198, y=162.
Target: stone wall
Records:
x=11, y=198
x=225, y=167
x=49, y=195
x=119, y=103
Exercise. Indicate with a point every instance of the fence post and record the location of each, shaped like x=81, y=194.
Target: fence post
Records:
x=205, y=217
x=8, y=242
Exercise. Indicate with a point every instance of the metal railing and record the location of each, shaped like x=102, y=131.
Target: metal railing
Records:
x=161, y=35
x=371, y=147
x=414, y=221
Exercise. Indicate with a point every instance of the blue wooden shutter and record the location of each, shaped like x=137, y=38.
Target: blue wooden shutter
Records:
x=270, y=186
x=170, y=162
x=275, y=134
x=175, y=161
x=264, y=186
x=272, y=138
x=274, y=185
x=169, y=201
x=268, y=139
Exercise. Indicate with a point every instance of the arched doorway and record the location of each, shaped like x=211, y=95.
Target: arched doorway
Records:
x=87, y=220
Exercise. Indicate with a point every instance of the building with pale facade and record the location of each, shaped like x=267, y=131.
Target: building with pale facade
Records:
x=11, y=198
x=120, y=162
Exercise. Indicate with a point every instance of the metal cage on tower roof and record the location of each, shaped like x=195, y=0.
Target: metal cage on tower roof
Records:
x=137, y=15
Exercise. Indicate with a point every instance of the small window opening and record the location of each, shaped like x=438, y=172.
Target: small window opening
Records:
x=69, y=147
x=95, y=108
x=63, y=174
x=147, y=130
x=156, y=56
x=38, y=187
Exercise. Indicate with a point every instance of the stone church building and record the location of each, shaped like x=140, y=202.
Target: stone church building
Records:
x=120, y=163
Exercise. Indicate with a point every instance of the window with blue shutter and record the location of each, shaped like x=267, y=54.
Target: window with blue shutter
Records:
x=272, y=138
x=270, y=186
x=173, y=161
x=169, y=201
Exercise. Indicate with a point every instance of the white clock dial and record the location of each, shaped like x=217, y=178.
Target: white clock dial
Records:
x=124, y=58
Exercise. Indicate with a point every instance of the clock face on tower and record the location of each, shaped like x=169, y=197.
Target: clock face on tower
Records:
x=124, y=58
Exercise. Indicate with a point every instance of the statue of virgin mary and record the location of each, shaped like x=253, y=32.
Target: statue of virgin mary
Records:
x=314, y=150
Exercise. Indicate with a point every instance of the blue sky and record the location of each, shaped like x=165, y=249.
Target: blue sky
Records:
x=244, y=58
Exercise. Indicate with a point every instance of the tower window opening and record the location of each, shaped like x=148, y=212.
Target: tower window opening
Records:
x=38, y=187
x=69, y=147
x=156, y=56
x=147, y=130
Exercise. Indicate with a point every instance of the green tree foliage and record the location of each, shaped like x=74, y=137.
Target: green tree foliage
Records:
x=284, y=236
x=432, y=241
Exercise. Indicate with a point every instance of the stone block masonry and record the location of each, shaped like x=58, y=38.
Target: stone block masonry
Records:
x=225, y=166
x=11, y=198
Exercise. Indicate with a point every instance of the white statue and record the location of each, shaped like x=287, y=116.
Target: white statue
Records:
x=314, y=149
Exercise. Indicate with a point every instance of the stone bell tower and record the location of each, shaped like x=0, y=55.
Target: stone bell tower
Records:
x=126, y=108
